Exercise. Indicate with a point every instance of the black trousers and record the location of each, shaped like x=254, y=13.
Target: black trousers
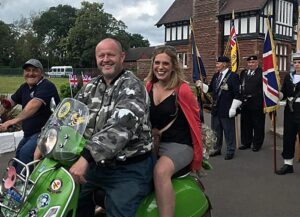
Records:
x=291, y=129
x=253, y=128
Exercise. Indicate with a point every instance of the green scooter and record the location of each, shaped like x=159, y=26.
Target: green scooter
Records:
x=46, y=188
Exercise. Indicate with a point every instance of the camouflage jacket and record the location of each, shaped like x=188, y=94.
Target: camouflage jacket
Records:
x=119, y=122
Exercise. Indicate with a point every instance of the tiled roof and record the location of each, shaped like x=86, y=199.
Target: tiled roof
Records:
x=180, y=10
x=183, y=9
x=134, y=54
x=241, y=6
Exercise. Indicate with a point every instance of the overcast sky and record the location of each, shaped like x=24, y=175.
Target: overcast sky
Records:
x=140, y=16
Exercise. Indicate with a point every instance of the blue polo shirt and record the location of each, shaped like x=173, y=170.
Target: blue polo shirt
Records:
x=44, y=90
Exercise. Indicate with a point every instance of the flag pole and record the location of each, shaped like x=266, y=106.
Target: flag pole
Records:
x=198, y=64
x=199, y=90
x=236, y=119
x=274, y=140
x=278, y=82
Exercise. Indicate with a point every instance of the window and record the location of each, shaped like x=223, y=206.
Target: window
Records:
x=227, y=27
x=252, y=25
x=268, y=10
x=281, y=53
x=182, y=57
x=173, y=34
x=177, y=33
x=284, y=18
x=168, y=34
x=185, y=32
x=244, y=25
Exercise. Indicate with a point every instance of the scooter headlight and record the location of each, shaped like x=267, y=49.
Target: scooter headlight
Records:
x=49, y=141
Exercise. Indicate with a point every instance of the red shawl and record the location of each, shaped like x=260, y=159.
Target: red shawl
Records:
x=189, y=105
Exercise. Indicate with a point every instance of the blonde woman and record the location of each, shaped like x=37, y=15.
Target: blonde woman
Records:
x=174, y=110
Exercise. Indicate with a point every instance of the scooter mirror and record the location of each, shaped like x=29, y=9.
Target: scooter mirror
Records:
x=52, y=104
x=11, y=177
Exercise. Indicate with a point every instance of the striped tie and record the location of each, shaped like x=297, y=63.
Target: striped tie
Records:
x=218, y=80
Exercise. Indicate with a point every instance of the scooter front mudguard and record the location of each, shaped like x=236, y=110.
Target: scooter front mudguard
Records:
x=53, y=192
x=190, y=200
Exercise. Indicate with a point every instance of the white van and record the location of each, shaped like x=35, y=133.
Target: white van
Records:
x=59, y=71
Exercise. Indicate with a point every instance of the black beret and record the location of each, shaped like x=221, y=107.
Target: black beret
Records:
x=223, y=59
x=252, y=58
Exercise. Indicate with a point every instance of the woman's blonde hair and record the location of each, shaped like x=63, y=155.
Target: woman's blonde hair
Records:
x=177, y=76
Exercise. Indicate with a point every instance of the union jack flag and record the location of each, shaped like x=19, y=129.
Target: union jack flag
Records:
x=234, y=53
x=270, y=73
x=73, y=80
x=86, y=79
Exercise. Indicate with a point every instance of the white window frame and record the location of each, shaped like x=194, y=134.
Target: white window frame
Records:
x=168, y=34
x=179, y=33
x=282, y=57
x=244, y=25
x=173, y=33
x=182, y=58
x=185, y=31
x=227, y=27
x=252, y=24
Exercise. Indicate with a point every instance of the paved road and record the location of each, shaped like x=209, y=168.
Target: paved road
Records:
x=247, y=186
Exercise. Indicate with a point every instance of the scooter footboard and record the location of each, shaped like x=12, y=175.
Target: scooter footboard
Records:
x=190, y=200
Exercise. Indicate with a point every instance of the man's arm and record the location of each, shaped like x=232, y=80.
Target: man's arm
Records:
x=30, y=109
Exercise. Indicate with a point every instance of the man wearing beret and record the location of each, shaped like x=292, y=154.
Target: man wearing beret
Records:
x=224, y=87
x=34, y=95
x=252, y=114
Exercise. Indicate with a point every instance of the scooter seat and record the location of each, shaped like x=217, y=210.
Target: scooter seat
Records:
x=99, y=194
x=183, y=172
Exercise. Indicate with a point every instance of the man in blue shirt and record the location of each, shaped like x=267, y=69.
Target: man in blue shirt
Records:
x=34, y=95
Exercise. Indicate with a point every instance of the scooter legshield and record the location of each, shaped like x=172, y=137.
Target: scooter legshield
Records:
x=53, y=194
x=190, y=200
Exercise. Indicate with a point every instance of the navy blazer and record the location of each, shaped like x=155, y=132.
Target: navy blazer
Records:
x=230, y=91
x=252, y=85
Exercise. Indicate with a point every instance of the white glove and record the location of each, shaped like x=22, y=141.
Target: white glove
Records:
x=201, y=85
x=280, y=95
x=235, y=104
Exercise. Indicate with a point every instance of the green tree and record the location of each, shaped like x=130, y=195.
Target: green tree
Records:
x=52, y=29
x=7, y=41
x=28, y=46
x=137, y=40
x=92, y=25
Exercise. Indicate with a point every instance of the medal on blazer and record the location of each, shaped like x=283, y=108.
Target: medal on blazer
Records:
x=224, y=86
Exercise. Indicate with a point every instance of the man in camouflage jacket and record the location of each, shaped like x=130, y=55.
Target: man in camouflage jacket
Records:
x=117, y=157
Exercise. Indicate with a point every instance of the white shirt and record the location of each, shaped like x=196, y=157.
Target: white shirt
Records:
x=224, y=72
x=296, y=79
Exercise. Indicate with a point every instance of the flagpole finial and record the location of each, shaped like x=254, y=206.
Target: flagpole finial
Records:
x=233, y=14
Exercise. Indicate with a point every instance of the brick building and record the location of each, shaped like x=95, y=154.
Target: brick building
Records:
x=211, y=20
x=139, y=60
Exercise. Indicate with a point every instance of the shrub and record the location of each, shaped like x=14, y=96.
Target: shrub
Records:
x=65, y=90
